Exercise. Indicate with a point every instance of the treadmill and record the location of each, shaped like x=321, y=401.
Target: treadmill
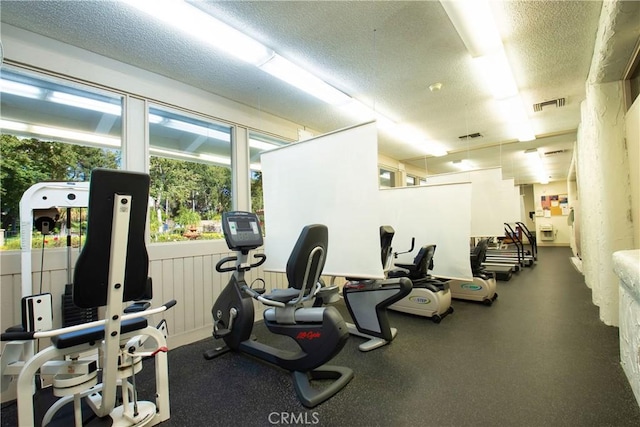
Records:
x=502, y=268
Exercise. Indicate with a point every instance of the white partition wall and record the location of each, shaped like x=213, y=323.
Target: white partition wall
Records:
x=439, y=215
x=511, y=201
x=487, y=212
x=331, y=180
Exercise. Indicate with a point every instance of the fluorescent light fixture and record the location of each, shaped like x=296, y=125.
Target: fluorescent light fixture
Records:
x=436, y=149
x=462, y=164
x=289, y=72
x=410, y=134
x=202, y=26
x=85, y=103
x=497, y=74
x=19, y=89
x=384, y=123
x=474, y=22
x=196, y=23
x=536, y=166
x=525, y=133
x=205, y=27
x=60, y=133
x=513, y=110
x=362, y=112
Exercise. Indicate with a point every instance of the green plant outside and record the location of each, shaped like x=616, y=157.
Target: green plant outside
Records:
x=13, y=243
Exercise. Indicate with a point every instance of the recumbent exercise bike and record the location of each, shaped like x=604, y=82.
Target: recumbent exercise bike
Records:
x=320, y=332
x=368, y=299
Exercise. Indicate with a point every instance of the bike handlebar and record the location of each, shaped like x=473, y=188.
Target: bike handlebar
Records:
x=220, y=269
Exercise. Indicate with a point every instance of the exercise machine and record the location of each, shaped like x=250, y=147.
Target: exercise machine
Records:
x=40, y=204
x=430, y=296
x=368, y=299
x=483, y=286
x=111, y=269
x=319, y=332
x=515, y=256
x=531, y=238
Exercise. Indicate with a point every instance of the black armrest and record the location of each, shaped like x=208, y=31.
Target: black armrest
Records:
x=410, y=267
x=96, y=333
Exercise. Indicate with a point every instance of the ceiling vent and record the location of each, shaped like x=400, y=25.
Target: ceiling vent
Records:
x=555, y=102
x=471, y=136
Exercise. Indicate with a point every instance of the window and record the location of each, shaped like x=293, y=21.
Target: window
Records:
x=190, y=169
x=633, y=80
x=412, y=180
x=52, y=130
x=387, y=178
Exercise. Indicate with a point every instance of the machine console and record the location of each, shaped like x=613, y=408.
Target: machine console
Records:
x=241, y=230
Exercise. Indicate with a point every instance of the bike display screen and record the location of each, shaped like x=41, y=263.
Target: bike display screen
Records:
x=241, y=230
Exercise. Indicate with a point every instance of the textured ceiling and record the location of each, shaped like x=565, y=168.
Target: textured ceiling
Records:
x=384, y=53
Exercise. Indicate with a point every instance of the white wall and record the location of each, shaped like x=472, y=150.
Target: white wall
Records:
x=529, y=206
x=562, y=232
x=633, y=152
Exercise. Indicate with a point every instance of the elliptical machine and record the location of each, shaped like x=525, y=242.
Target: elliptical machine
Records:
x=367, y=300
x=430, y=296
x=320, y=332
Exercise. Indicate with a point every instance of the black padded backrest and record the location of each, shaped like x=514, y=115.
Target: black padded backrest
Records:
x=424, y=260
x=311, y=237
x=386, y=237
x=91, y=275
x=479, y=255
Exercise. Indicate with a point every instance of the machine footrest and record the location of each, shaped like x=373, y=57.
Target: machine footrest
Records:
x=311, y=396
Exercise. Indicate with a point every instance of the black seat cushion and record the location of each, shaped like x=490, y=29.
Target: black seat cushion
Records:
x=283, y=295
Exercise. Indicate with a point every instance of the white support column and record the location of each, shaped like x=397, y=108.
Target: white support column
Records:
x=135, y=137
x=603, y=172
x=241, y=181
x=602, y=162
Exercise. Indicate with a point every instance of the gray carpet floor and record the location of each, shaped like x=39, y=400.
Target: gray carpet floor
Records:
x=538, y=357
